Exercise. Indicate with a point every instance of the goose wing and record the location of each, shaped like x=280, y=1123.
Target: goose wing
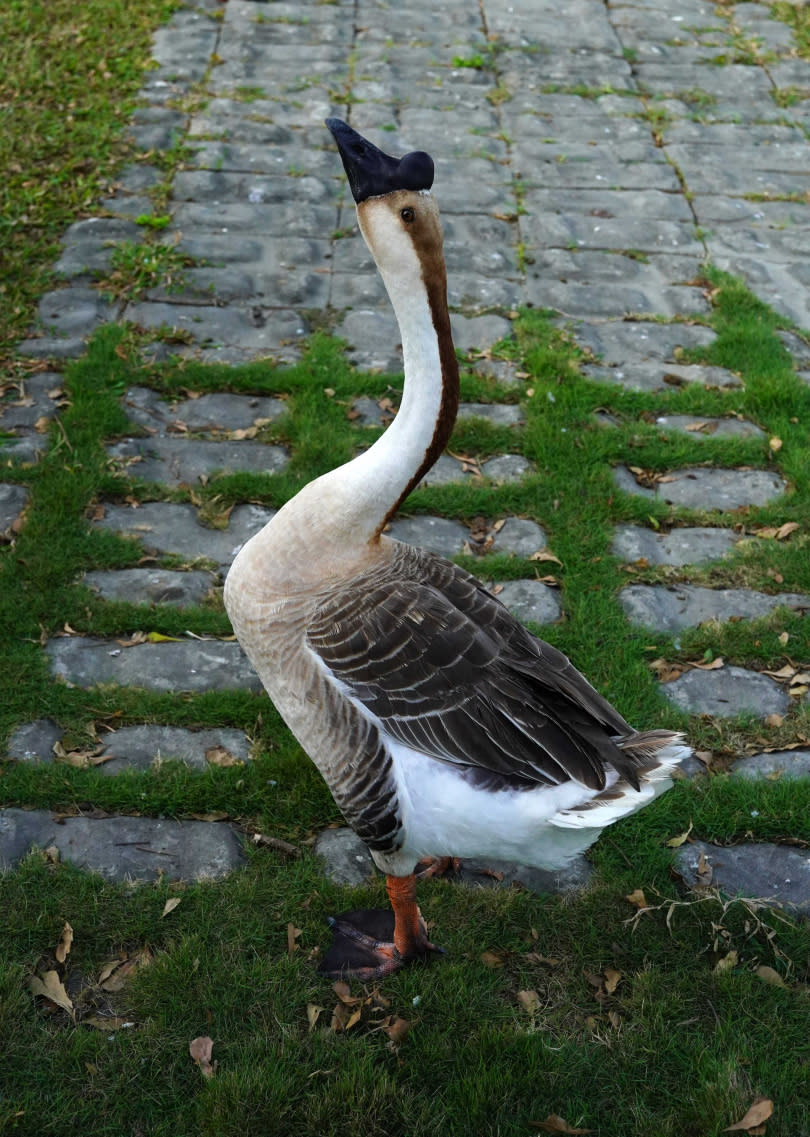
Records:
x=447, y=670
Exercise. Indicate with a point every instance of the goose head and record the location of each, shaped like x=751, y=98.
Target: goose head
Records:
x=397, y=214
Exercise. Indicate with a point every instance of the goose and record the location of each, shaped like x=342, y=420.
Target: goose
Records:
x=442, y=726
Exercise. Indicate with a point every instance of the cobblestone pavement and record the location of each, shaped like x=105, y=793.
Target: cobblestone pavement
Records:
x=572, y=174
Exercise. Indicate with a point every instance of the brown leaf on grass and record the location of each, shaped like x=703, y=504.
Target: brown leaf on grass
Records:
x=262, y=839
x=292, y=935
x=313, y=1014
x=170, y=905
x=665, y=671
x=42, y=424
x=545, y=555
x=493, y=959
x=714, y=665
x=760, y=1110
x=65, y=942
x=775, y=443
x=116, y=973
x=220, y=756
x=637, y=898
x=727, y=963
x=774, y=720
x=200, y=1050
x=676, y=842
x=529, y=1001
x=396, y=1028
x=770, y=975
x=50, y=987
x=705, y=872
x=112, y=1022
x=556, y=1124
x=612, y=978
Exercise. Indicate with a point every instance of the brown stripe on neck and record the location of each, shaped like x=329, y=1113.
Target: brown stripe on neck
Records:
x=434, y=277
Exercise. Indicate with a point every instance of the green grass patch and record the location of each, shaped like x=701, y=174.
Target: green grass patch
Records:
x=676, y=1047
x=69, y=74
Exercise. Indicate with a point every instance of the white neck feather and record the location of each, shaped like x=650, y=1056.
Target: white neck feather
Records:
x=350, y=504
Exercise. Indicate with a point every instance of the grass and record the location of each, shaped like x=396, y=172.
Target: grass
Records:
x=497, y=1040
x=65, y=98
x=620, y=1022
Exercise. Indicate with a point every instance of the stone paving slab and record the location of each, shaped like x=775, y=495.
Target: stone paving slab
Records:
x=652, y=375
x=124, y=848
x=757, y=871
x=13, y=500
x=191, y=665
x=674, y=607
x=778, y=764
x=688, y=546
x=207, y=413
x=174, y=461
x=529, y=600
x=705, y=487
x=726, y=692
x=165, y=527
x=151, y=586
x=701, y=427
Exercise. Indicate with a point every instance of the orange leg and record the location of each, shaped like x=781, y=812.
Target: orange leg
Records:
x=355, y=952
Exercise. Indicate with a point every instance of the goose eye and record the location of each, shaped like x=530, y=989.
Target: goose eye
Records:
x=407, y=214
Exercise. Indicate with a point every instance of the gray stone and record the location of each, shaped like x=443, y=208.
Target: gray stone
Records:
x=347, y=860
x=151, y=586
x=34, y=741
x=652, y=375
x=687, y=546
x=207, y=413
x=448, y=470
x=13, y=500
x=674, y=607
x=506, y=468
x=501, y=414
x=37, y=398
x=373, y=337
x=615, y=342
x=727, y=691
x=755, y=871
x=368, y=412
x=164, y=527
x=124, y=848
x=478, y=332
x=261, y=330
x=179, y=460
x=529, y=600
x=700, y=428
x=436, y=534
x=573, y=878
x=519, y=536
x=145, y=746
x=704, y=487
x=74, y=311
x=778, y=764
x=191, y=665
x=52, y=347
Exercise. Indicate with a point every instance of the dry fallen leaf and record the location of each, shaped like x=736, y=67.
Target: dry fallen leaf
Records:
x=612, y=978
x=769, y=975
x=529, y=1000
x=219, y=756
x=65, y=942
x=50, y=986
x=170, y=905
x=784, y=531
x=200, y=1050
x=292, y=935
x=637, y=898
x=727, y=963
x=112, y=1022
x=396, y=1028
x=676, y=842
x=775, y=443
x=493, y=959
x=313, y=1014
x=556, y=1124
x=545, y=555
x=774, y=720
x=761, y=1109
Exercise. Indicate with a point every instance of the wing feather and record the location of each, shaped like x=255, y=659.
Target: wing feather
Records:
x=447, y=670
